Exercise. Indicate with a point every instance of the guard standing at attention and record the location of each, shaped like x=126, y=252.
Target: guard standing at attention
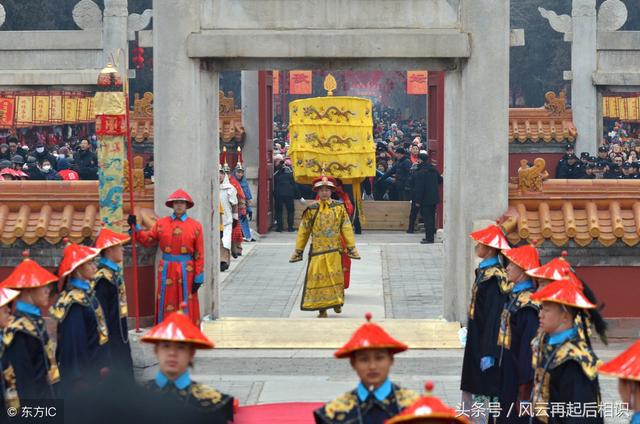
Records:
x=82, y=351
x=175, y=342
x=480, y=380
x=181, y=269
x=567, y=367
x=30, y=369
x=376, y=398
x=518, y=327
x=626, y=367
x=112, y=293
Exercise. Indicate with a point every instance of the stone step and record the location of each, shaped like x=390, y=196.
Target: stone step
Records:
x=330, y=333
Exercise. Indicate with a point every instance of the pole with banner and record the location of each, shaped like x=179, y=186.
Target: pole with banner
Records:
x=112, y=129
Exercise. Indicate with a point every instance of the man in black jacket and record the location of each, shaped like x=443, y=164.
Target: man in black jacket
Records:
x=425, y=195
x=86, y=161
x=401, y=169
x=285, y=191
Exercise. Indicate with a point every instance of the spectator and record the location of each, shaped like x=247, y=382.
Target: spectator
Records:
x=12, y=141
x=401, y=171
x=148, y=170
x=86, y=162
x=570, y=168
x=41, y=154
x=65, y=171
x=285, y=192
x=47, y=171
x=425, y=197
x=4, y=152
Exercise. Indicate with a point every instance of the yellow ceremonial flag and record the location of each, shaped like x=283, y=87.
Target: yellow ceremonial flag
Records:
x=622, y=108
x=41, y=109
x=632, y=108
x=83, y=109
x=70, y=110
x=55, y=108
x=92, y=109
x=24, y=112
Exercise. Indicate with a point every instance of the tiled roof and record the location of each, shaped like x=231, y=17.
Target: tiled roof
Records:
x=539, y=125
x=582, y=211
x=53, y=210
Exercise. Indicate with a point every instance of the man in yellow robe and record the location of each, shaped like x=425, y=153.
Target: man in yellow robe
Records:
x=324, y=221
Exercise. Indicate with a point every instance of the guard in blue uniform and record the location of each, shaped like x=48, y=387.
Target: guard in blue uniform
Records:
x=376, y=398
x=82, y=350
x=518, y=327
x=30, y=370
x=110, y=290
x=480, y=380
x=175, y=342
x=566, y=368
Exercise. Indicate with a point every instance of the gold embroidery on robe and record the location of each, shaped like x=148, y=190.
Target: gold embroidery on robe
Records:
x=70, y=296
x=342, y=404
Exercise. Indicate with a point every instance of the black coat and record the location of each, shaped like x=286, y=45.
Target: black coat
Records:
x=87, y=163
x=425, y=185
x=109, y=288
x=284, y=185
x=402, y=170
x=489, y=294
x=572, y=172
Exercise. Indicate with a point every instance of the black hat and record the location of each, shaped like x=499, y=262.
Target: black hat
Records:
x=31, y=159
x=627, y=165
x=584, y=155
x=17, y=159
x=572, y=156
x=601, y=164
x=424, y=157
x=592, y=158
x=12, y=139
x=591, y=165
x=603, y=149
x=570, y=147
x=401, y=151
x=39, y=144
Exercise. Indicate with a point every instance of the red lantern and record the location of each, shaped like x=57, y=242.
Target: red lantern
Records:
x=138, y=57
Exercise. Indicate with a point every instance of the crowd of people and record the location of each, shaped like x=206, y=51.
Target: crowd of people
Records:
x=71, y=160
x=617, y=158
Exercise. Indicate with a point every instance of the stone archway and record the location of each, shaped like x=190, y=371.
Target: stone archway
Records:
x=469, y=39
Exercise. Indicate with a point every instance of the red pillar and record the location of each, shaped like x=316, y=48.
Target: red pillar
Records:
x=265, y=140
x=435, y=121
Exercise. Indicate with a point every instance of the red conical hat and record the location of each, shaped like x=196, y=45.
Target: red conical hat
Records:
x=426, y=408
x=370, y=336
x=107, y=238
x=552, y=270
x=73, y=256
x=177, y=327
x=491, y=236
x=565, y=292
x=626, y=365
x=526, y=257
x=179, y=194
x=324, y=181
x=7, y=295
x=28, y=275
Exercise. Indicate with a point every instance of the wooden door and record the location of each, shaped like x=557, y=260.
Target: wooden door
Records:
x=265, y=135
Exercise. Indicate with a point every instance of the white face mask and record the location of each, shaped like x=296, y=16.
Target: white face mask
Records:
x=46, y=168
x=39, y=149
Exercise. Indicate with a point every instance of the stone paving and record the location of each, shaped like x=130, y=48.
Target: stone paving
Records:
x=397, y=277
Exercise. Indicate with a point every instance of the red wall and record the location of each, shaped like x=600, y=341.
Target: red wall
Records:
x=552, y=160
x=616, y=287
x=146, y=291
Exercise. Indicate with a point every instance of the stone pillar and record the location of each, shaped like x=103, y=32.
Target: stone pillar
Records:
x=186, y=128
x=250, y=120
x=584, y=96
x=114, y=33
x=476, y=144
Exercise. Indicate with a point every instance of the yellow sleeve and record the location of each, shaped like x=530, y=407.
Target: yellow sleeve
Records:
x=304, y=230
x=347, y=228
